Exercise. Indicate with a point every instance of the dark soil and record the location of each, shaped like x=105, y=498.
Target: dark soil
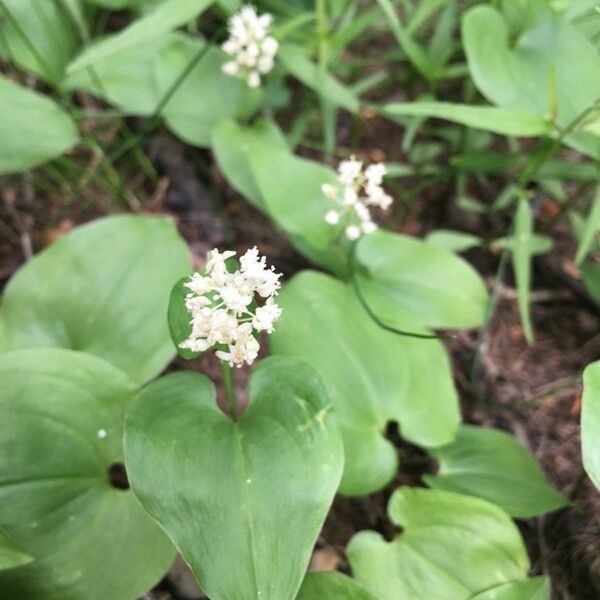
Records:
x=531, y=391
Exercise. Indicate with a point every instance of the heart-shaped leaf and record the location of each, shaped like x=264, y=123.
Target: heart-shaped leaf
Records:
x=233, y=146
x=12, y=554
x=409, y=284
x=451, y=547
x=104, y=289
x=243, y=501
x=332, y=586
x=61, y=427
x=549, y=69
x=206, y=95
x=40, y=36
x=33, y=128
x=492, y=465
x=164, y=18
x=373, y=376
x=590, y=422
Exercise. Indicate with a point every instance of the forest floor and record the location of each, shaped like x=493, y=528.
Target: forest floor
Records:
x=531, y=391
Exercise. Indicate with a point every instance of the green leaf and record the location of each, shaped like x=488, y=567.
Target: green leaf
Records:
x=296, y=62
x=373, y=376
x=591, y=228
x=291, y=191
x=39, y=36
x=206, y=95
x=538, y=244
x=126, y=79
x=590, y=422
x=550, y=69
x=166, y=17
x=408, y=284
x=536, y=588
x=179, y=319
x=591, y=278
x=505, y=121
x=493, y=465
x=61, y=427
x=234, y=145
x=522, y=252
x=104, y=289
x=453, y=241
x=12, y=554
x=33, y=129
x=332, y=586
x=414, y=52
x=238, y=491
x=451, y=547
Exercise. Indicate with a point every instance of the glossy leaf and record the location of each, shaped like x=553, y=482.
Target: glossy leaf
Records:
x=33, y=129
x=12, y=554
x=408, y=284
x=238, y=493
x=206, y=95
x=549, y=68
x=234, y=145
x=291, y=191
x=104, y=289
x=332, y=586
x=298, y=65
x=536, y=588
x=504, y=121
x=451, y=547
x=493, y=465
x=590, y=422
x=61, y=427
x=373, y=376
x=522, y=252
x=39, y=36
x=166, y=17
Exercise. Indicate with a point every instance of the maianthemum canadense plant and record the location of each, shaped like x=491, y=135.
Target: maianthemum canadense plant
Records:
x=106, y=462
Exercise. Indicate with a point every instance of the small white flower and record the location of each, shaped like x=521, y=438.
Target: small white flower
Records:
x=329, y=191
x=361, y=190
x=253, y=79
x=251, y=47
x=353, y=232
x=220, y=305
x=332, y=217
x=368, y=227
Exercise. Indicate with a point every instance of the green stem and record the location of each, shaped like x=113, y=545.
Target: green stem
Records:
x=227, y=373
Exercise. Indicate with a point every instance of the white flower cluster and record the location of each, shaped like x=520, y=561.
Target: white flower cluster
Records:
x=251, y=47
x=220, y=305
x=361, y=190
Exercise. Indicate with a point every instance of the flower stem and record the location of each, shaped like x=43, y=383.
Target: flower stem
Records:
x=227, y=373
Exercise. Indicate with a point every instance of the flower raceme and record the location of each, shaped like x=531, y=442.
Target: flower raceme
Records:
x=224, y=306
x=251, y=47
x=361, y=190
